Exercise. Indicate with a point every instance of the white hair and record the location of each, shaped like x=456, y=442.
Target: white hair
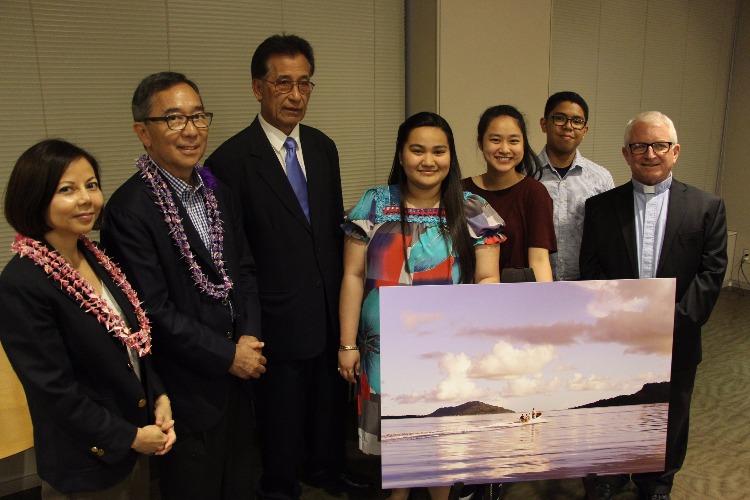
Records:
x=656, y=117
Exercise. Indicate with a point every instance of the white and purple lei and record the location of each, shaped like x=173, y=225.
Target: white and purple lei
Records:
x=165, y=202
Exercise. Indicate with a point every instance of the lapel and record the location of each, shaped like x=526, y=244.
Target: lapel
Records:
x=114, y=291
x=625, y=213
x=270, y=170
x=676, y=211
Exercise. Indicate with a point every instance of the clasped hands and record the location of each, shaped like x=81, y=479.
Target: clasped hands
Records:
x=248, y=358
x=157, y=439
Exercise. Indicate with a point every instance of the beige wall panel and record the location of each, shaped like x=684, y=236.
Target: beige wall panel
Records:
x=619, y=84
x=491, y=53
x=574, y=48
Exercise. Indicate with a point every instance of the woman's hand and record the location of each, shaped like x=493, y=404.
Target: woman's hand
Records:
x=163, y=420
x=349, y=365
x=150, y=440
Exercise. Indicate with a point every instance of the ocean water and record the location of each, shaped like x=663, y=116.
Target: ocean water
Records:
x=492, y=448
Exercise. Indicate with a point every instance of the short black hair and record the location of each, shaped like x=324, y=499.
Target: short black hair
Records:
x=34, y=180
x=566, y=96
x=280, y=45
x=141, y=104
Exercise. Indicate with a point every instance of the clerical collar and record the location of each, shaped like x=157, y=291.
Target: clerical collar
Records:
x=655, y=189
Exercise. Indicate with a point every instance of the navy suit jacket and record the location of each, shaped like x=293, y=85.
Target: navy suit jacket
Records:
x=299, y=263
x=193, y=334
x=85, y=399
x=693, y=252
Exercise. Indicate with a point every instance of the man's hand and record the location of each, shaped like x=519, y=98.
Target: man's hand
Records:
x=248, y=358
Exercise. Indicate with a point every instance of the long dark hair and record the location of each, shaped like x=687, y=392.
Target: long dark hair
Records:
x=451, y=194
x=530, y=165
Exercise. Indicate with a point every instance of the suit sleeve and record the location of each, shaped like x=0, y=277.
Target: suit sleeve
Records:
x=695, y=306
x=251, y=322
x=589, y=261
x=36, y=350
x=176, y=335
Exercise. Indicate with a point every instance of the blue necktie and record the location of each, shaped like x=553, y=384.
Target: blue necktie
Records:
x=295, y=175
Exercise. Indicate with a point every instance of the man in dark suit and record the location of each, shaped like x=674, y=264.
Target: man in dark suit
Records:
x=658, y=227
x=176, y=233
x=287, y=178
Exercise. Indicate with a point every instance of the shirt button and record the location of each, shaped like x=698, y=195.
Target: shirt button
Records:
x=141, y=403
x=318, y=283
x=130, y=367
x=224, y=301
x=229, y=335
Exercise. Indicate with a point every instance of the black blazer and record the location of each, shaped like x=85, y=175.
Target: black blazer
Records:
x=85, y=400
x=299, y=263
x=693, y=252
x=193, y=334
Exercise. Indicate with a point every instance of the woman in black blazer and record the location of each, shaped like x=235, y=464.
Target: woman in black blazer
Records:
x=76, y=335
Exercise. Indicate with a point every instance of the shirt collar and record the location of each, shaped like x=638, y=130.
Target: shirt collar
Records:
x=655, y=189
x=180, y=186
x=275, y=136
x=546, y=163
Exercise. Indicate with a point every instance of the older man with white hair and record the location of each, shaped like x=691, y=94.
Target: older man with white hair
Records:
x=657, y=227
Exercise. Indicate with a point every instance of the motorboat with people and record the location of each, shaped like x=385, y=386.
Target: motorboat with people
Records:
x=532, y=417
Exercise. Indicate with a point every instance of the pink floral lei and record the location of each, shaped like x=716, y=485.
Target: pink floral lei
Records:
x=57, y=268
x=164, y=200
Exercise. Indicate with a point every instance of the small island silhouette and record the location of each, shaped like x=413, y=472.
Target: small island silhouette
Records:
x=651, y=393
x=470, y=408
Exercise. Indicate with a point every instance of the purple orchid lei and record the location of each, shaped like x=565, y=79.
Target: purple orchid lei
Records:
x=164, y=200
x=57, y=268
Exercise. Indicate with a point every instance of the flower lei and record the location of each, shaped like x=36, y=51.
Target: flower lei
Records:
x=55, y=266
x=164, y=200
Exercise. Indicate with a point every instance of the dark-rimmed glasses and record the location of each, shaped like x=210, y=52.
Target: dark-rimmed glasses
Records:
x=639, y=148
x=560, y=120
x=179, y=122
x=286, y=86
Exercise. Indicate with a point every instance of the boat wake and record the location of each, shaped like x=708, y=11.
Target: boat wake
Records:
x=406, y=436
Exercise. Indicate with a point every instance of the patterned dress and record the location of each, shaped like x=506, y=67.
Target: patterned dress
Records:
x=376, y=221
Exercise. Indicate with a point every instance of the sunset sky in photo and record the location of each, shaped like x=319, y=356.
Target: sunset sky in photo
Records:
x=522, y=345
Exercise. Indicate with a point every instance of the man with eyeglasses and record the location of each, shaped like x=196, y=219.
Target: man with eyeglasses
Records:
x=176, y=233
x=286, y=175
x=569, y=177
x=657, y=227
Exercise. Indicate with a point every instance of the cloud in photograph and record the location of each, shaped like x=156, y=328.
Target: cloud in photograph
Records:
x=505, y=361
x=455, y=386
x=618, y=312
x=530, y=386
x=416, y=320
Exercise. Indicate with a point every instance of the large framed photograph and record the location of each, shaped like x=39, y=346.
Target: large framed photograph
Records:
x=524, y=381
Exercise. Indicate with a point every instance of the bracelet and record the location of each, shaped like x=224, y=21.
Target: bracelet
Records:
x=348, y=348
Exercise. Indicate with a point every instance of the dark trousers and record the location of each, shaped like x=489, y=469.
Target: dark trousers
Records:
x=215, y=464
x=301, y=420
x=134, y=486
x=680, y=393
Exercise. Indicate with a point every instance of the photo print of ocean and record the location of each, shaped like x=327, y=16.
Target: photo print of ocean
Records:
x=524, y=381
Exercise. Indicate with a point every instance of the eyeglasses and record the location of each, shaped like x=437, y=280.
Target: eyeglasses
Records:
x=639, y=148
x=179, y=122
x=286, y=86
x=576, y=122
